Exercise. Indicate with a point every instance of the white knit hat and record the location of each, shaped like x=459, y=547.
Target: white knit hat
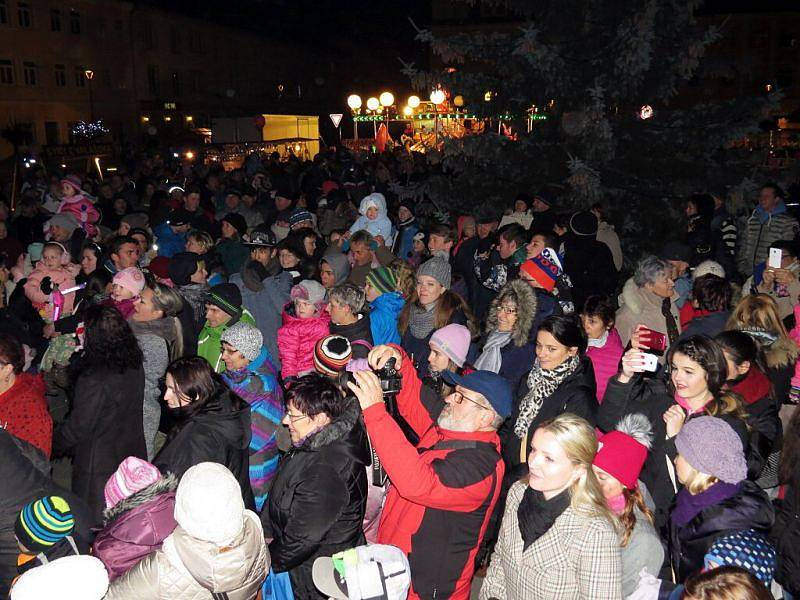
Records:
x=79, y=577
x=245, y=338
x=208, y=503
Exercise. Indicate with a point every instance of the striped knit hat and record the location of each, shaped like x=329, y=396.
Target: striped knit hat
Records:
x=43, y=523
x=383, y=279
x=331, y=355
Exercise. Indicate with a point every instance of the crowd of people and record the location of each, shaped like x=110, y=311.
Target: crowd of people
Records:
x=289, y=381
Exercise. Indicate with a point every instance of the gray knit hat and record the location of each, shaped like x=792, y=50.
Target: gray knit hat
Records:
x=246, y=338
x=438, y=268
x=712, y=447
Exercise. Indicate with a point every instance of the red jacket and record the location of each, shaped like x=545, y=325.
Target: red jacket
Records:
x=24, y=413
x=442, y=492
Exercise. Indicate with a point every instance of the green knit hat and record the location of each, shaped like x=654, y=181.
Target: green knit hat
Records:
x=383, y=279
x=43, y=523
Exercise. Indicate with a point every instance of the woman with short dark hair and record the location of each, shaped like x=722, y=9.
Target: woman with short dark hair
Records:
x=323, y=476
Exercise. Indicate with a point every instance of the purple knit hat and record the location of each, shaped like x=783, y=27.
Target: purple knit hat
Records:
x=132, y=475
x=453, y=340
x=712, y=447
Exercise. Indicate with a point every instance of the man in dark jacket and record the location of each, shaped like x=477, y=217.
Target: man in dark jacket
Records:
x=498, y=266
x=346, y=304
x=589, y=263
x=444, y=490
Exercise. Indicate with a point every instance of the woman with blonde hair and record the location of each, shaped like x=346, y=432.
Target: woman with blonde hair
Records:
x=558, y=538
x=725, y=583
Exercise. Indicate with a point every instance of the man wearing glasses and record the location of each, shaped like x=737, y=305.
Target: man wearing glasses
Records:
x=443, y=490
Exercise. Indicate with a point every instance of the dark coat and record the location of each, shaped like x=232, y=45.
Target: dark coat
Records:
x=23, y=480
x=104, y=427
x=576, y=395
x=785, y=536
x=360, y=331
x=219, y=432
x=590, y=266
x=318, y=499
x=750, y=508
x=709, y=325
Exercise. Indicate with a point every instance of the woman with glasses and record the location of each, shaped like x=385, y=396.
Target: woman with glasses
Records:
x=212, y=423
x=509, y=343
x=317, y=501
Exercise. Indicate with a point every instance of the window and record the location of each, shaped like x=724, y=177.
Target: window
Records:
x=177, y=87
x=80, y=77
x=174, y=40
x=55, y=20
x=74, y=21
x=24, y=14
x=3, y=13
x=61, y=76
x=6, y=72
x=29, y=72
x=152, y=79
x=51, y=133
x=787, y=40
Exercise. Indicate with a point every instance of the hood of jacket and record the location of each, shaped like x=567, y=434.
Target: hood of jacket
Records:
x=527, y=305
x=338, y=263
x=163, y=328
x=347, y=430
x=374, y=199
x=639, y=299
x=289, y=316
x=166, y=484
x=240, y=564
x=254, y=274
x=391, y=302
x=194, y=293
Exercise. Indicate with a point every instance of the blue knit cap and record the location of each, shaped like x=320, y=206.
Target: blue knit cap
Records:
x=749, y=550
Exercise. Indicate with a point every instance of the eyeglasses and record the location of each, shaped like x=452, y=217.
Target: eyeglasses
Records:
x=459, y=398
x=295, y=418
x=509, y=310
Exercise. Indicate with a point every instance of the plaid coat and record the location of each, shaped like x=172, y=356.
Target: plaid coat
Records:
x=578, y=558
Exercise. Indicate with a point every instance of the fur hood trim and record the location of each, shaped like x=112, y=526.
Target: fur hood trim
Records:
x=527, y=305
x=167, y=483
x=338, y=429
x=781, y=353
x=637, y=299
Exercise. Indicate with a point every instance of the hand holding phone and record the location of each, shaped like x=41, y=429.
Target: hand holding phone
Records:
x=651, y=339
x=775, y=258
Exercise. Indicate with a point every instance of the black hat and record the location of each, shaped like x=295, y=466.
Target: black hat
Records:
x=233, y=192
x=237, y=221
x=545, y=196
x=179, y=216
x=676, y=251
x=583, y=223
x=227, y=297
x=286, y=193
x=182, y=266
x=261, y=239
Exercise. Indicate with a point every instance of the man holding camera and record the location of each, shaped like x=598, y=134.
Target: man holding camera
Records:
x=443, y=490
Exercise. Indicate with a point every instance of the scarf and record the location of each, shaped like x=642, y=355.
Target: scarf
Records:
x=672, y=326
x=752, y=386
x=599, y=342
x=617, y=503
x=537, y=515
x=490, y=359
x=687, y=507
x=421, y=320
x=541, y=385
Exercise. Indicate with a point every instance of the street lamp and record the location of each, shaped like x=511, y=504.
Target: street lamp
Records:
x=413, y=101
x=89, y=74
x=437, y=97
x=373, y=103
x=386, y=99
x=354, y=102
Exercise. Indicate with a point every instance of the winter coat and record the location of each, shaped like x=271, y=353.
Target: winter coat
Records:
x=208, y=343
x=706, y=324
x=24, y=478
x=638, y=306
x=651, y=398
x=576, y=395
x=404, y=239
x=258, y=385
x=186, y=568
x=760, y=231
x=607, y=235
x=296, y=340
x=380, y=225
x=358, y=333
x=443, y=490
x=338, y=263
x=155, y=363
x=136, y=526
x=383, y=314
x=785, y=535
x=63, y=276
x=644, y=551
x=169, y=242
x=219, y=432
x=104, y=427
x=749, y=508
x=418, y=348
x=576, y=559
x=194, y=297
x=233, y=254
x=84, y=212
x=24, y=412
x=605, y=361
x=318, y=498
x=591, y=269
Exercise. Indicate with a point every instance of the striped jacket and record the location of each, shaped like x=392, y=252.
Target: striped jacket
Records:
x=577, y=559
x=758, y=236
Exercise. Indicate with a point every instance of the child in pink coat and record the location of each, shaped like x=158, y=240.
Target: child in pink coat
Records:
x=126, y=288
x=75, y=203
x=305, y=321
x=54, y=269
x=605, y=346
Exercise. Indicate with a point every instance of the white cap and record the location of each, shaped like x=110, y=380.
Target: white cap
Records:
x=208, y=503
x=709, y=267
x=375, y=572
x=79, y=577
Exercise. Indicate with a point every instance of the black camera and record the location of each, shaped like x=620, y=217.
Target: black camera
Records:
x=391, y=380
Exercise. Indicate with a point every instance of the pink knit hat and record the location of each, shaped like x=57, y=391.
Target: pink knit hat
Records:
x=132, y=279
x=453, y=340
x=132, y=475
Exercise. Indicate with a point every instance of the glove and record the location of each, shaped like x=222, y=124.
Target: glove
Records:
x=46, y=285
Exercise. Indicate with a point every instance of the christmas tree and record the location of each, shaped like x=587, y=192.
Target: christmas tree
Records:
x=609, y=78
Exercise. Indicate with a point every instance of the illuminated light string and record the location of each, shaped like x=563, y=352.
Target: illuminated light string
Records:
x=90, y=130
x=431, y=116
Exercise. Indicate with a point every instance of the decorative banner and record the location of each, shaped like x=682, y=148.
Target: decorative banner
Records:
x=336, y=118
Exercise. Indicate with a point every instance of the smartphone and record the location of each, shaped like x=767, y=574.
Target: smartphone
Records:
x=775, y=256
x=652, y=339
x=650, y=362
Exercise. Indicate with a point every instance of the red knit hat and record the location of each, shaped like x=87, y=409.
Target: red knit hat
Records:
x=622, y=452
x=543, y=268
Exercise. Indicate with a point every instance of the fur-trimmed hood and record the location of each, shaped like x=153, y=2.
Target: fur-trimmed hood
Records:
x=781, y=353
x=337, y=430
x=167, y=483
x=527, y=306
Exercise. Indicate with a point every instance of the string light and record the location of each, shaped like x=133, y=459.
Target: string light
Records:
x=88, y=131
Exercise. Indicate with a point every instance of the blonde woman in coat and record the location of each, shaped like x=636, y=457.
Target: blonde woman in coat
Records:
x=558, y=539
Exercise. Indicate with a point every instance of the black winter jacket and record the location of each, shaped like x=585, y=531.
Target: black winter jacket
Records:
x=220, y=433
x=318, y=499
x=576, y=394
x=104, y=427
x=750, y=508
x=786, y=536
x=590, y=266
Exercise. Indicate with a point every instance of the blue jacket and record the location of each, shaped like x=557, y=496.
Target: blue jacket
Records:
x=384, y=312
x=169, y=242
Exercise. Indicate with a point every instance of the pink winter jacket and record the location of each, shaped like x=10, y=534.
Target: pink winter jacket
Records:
x=296, y=340
x=83, y=210
x=605, y=361
x=64, y=276
x=795, y=335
